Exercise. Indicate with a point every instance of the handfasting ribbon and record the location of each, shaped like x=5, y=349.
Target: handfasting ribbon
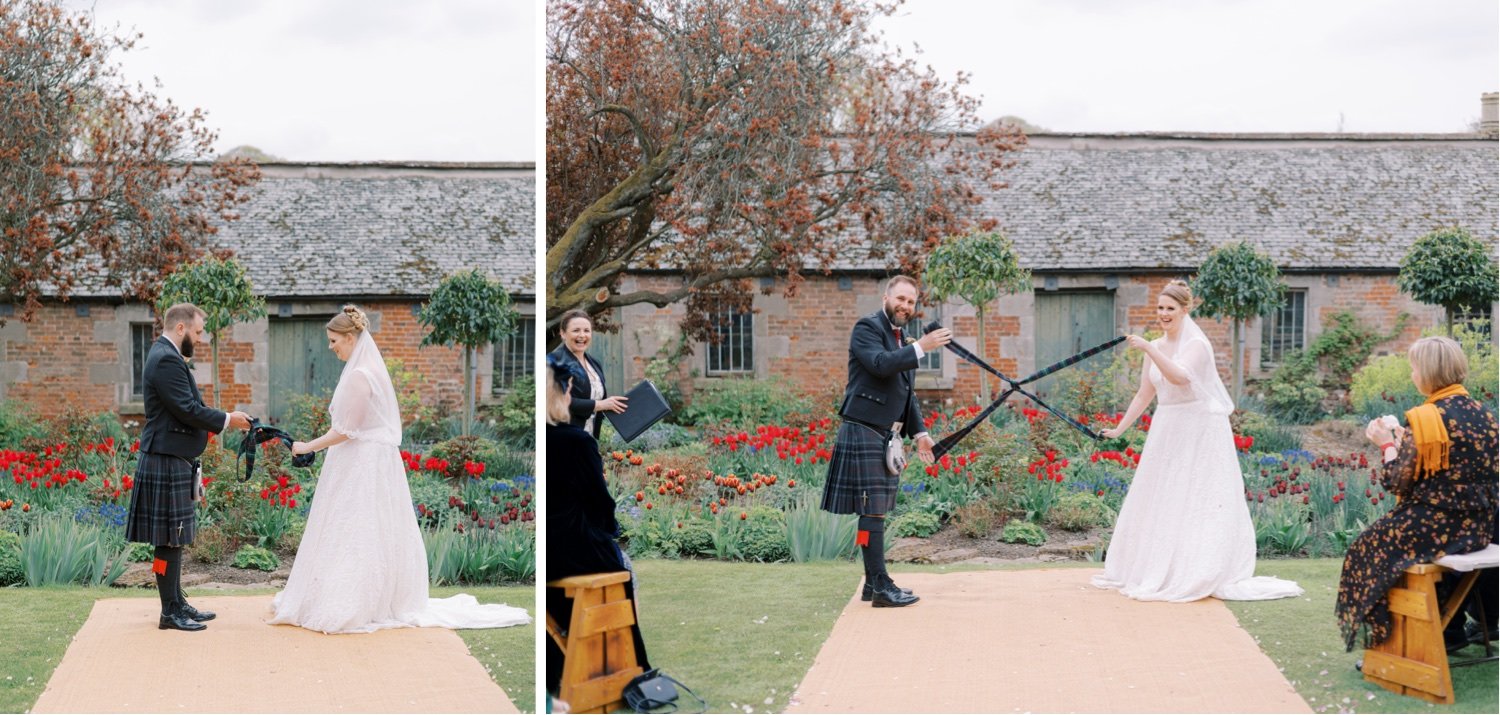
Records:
x=948, y=442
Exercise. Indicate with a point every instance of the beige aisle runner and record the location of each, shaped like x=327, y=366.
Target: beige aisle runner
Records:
x=1039, y=641
x=121, y=662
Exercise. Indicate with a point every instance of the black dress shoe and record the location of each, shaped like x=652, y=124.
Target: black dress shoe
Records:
x=889, y=595
x=868, y=593
x=196, y=614
x=178, y=621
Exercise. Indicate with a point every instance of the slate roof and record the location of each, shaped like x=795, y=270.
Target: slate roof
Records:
x=1312, y=203
x=1162, y=201
x=383, y=229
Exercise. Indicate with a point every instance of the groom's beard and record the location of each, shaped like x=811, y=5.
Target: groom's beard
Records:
x=187, y=347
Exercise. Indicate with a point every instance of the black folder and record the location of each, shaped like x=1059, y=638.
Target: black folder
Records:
x=644, y=407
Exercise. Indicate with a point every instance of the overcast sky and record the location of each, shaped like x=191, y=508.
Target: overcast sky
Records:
x=455, y=80
x=1220, y=65
x=345, y=80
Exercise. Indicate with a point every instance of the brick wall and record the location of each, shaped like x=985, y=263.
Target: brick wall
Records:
x=63, y=359
x=805, y=338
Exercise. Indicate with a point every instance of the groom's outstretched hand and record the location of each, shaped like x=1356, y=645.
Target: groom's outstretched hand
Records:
x=239, y=420
x=935, y=340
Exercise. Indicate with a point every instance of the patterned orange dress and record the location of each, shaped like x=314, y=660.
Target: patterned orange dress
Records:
x=1452, y=511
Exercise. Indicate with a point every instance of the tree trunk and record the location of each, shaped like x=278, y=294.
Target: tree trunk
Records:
x=213, y=342
x=984, y=379
x=1235, y=362
x=468, y=391
x=1448, y=317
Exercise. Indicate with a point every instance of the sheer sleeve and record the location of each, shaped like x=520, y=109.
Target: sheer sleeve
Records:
x=349, y=411
x=1197, y=359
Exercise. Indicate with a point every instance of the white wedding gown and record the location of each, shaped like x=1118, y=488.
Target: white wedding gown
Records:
x=361, y=565
x=1184, y=531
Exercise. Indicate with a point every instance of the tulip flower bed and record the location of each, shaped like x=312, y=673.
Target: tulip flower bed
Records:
x=769, y=478
x=75, y=476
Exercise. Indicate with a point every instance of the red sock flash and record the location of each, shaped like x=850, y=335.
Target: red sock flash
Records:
x=159, y=567
x=862, y=538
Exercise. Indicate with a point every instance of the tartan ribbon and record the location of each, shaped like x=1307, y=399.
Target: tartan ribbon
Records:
x=952, y=440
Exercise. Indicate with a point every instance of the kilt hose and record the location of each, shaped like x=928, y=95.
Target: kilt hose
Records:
x=161, y=502
x=858, y=482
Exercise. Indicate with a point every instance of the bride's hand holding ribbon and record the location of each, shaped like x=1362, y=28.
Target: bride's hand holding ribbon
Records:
x=300, y=448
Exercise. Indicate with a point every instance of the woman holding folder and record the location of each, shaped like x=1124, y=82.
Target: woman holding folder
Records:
x=589, y=395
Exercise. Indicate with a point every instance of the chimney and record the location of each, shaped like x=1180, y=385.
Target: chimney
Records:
x=1489, y=115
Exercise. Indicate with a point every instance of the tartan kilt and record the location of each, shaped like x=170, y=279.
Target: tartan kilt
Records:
x=857, y=480
x=161, y=501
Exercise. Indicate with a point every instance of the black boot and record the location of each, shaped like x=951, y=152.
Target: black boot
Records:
x=188, y=610
x=868, y=592
x=168, y=570
x=888, y=595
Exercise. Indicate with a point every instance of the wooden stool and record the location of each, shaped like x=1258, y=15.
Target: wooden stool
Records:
x=598, y=649
x=1413, y=660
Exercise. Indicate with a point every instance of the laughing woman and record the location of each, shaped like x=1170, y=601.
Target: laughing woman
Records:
x=588, y=393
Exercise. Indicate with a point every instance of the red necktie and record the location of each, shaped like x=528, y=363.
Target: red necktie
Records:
x=898, y=335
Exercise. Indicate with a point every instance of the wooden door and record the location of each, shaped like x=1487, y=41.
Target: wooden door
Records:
x=1067, y=323
x=301, y=363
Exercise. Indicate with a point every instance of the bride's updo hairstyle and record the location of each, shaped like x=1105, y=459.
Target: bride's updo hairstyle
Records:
x=1179, y=291
x=351, y=321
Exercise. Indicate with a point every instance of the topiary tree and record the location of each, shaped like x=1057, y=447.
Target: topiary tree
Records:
x=977, y=267
x=1239, y=283
x=469, y=309
x=1451, y=268
x=220, y=287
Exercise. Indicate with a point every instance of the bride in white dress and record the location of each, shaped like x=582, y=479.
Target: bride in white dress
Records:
x=1184, y=531
x=361, y=565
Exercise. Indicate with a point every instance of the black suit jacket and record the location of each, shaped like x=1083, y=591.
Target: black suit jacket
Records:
x=177, y=421
x=582, y=405
x=880, y=390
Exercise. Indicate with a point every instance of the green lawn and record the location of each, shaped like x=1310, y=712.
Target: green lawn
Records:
x=1302, y=636
x=745, y=634
x=40, y=622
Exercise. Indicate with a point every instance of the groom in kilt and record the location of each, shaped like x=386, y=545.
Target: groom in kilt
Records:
x=880, y=404
x=167, y=476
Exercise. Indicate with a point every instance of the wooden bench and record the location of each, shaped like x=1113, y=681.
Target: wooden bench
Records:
x=1413, y=660
x=598, y=648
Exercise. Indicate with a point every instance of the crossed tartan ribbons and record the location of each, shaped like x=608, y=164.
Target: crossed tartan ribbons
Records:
x=949, y=442
x=261, y=433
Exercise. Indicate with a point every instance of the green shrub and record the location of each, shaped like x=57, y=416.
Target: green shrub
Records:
x=816, y=535
x=18, y=425
x=764, y=537
x=11, y=572
x=306, y=417
x=1080, y=511
x=254, y=557
x=212, y=545
x=472, y=448
x=1294, y=393
x=976, y=519
x=59, y=551
x=746, y=402
x=915, y=523
x=516, y=420
x=1017, y=531
x=140, y=553
x=1384, y=387
x=696, y=538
